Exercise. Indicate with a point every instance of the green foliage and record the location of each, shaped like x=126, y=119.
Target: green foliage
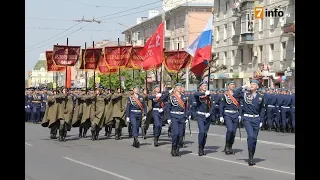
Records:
x=113, y=80
x=50, y=85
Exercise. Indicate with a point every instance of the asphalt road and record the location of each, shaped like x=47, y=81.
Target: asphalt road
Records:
x=83, y=159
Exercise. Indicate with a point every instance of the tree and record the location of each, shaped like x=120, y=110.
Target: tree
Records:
x=50, y=85
x=113, y=81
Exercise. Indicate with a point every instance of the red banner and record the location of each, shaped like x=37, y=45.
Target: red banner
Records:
x=117, y=56
x=104, y=69
x=66, y=55
x=176, y=60
x=50, y=64
x=152, y=52
x=136, y=60
x=90, y=58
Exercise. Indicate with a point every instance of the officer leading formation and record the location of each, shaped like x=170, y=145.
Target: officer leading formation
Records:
x=248, y=106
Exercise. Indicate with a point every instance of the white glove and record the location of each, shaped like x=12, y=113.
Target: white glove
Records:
x=207, y=93
x=128, y=119
x=239, y=117
x=160, y=110
x=170, y=91
x=279, y=110
x=169, y=121
x=207, y=115
x=186, y=122
x=221, y=119
x=144, y=118
x=189, y=117
x=28, y=106
x=158, y=95
x=260, y=125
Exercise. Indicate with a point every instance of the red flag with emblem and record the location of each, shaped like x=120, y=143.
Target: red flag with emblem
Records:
x=152, y=52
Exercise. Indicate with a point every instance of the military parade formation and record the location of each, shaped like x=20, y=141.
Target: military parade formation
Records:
x=248, y=106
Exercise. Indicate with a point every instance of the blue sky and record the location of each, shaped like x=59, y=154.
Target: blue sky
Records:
x=47, y=21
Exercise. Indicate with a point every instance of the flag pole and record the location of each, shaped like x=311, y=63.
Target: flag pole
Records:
x=162, y=66
x=119, y=67
x=178, y=71
x=85, y=73
x=57, y=78
x=66, y=80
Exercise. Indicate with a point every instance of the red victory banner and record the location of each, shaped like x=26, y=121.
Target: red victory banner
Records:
x=90, y=58
x=174, y=61
x=136, y=60
x=117, y=56
x=152, y=52
x=50, y=64
x=104, y=69
x=66, y=55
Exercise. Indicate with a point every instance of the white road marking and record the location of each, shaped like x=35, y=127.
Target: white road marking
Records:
x=28, y=144
x=99, y=169
x=244, y=139
x=234, y=162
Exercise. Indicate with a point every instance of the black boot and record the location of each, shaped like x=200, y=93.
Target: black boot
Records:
x=60, y=135
x=120, y=133
x=80, y=132
x=144, y=133
x=85, y=133
x=230, y=148
x=136, y=143
x=93, y=135
x=178, y=151
x=227, y=148
x=106, y=129
x=109, y=131
x=156, y=138
x=130, y=130
x=169, y=132
x=293, y=130
x=64, y=136
x=250, y=160
x=117, y=134
x=282, y=130
x=173, y=151
x=97, y=134
x=277, y=129
x=200, y=150
x=55, y=134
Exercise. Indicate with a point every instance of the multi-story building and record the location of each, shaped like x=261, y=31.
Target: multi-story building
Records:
x=183, y=24
x=254, y=48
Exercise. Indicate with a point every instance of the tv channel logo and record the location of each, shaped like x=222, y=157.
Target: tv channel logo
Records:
x=260, y=12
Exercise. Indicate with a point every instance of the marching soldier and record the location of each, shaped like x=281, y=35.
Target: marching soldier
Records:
x=78, y=110
x=135, y=112
x=97, y=120
x=220, y=95
x=278, y=109
x=44, y=103
x=216, y=99
x=204, y=110
x=229, y=112
x=108, y=113
x=271, y=103
x=50, y=118
x=292, y=110
x=146, y=122
x=36, y=106
x=285, y=109
x=158, y=100
x=87, y=112
x=65, y=111
x=177, y=117
x=28, y=105
x=254, y=113
x=119, y=104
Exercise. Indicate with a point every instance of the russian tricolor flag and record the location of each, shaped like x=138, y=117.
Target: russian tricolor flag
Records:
x=200, y=49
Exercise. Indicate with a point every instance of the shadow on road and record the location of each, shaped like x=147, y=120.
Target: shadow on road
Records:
x=256, y=160
x=185, y=152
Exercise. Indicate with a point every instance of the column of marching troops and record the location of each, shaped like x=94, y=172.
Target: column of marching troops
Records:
x=249, y=106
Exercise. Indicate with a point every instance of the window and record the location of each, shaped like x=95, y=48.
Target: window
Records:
x=241, y=56
x=260, y=54
x=283, y=51
x=233, y=28
x=177, y=44
x=261, y=24
x=225, y=31
x=217, y=35
x=250, y=55
x=233, y=54
x=226, y=6
x=271, y=48
x=225, y=56
x=247, y=24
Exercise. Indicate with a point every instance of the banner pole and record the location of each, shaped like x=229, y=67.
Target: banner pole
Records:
x=178, y=71
x=57, y=78
x=85, y=73
x=119, y=67
x=94, y=72
x=66, y=79
x=162, y=66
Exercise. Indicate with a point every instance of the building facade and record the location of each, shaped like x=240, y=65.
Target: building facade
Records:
x=254, y=48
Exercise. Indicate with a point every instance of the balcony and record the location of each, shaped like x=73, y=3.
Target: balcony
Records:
x=288, y=29
x=247, y=38
x=235, y=40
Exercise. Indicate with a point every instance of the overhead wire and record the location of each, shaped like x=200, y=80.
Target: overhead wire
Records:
x=97, y=6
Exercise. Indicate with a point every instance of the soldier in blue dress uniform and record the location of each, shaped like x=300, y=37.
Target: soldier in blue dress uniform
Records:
x=36, y=106
x=28, y=104
x=271, y=103
x=177, y=117
x=254, y=113
x=44, y=103
x=216, y=99
x=285, y=109
x=204, y=110
x=220, y=95
x=293, y=111
x=278, y=104
x=158, y=100
x=229, y=112
x=135, y=112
